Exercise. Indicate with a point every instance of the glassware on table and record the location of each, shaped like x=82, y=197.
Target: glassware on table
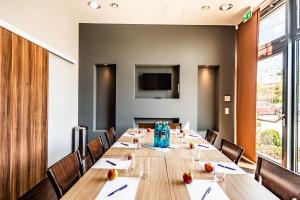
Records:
x=177, y=131
x=145, y=168
x=219, y=174
x=196, y=155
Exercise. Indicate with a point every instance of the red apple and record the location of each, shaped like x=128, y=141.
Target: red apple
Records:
x=208, y=167
x=135, y=140
x=192, y=145
x=129, y=155
x=148, y=130
x=188, y=177
x=112, y=174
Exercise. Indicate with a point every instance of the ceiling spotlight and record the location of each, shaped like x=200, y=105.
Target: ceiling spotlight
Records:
x=114, y=5
x=205, y=7
x=226, y=6
x=95, y=4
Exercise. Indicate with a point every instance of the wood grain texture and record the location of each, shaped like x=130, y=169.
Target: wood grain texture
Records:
x=165, y=180
x=24, y=93
x=247, y=53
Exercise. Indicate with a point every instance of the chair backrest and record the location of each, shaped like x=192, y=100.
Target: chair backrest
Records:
x=232, y=151
x=96, y=149
x=43, y=190
x=283, y=183
x=146, y=125
x=110, y=136
x=174, y=125
x=86, y=162
x=65, y=173
x=211, y=136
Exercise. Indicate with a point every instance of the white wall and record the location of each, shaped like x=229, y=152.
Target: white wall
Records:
x=63, y=107
x=56, y=25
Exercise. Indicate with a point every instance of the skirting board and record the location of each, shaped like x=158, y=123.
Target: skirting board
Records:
x=29, y=37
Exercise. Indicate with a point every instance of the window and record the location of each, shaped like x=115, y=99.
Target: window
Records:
x=298, y=111
x=273, y=26
x=298, y=14
x=269, y=105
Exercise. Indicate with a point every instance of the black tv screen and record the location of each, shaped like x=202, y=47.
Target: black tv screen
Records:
x=156, y=81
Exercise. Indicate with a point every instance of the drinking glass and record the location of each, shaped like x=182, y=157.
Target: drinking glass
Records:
x=132, y=165
x=195, y=155
x=145, y=168
x=219, y=175
x=177, y=130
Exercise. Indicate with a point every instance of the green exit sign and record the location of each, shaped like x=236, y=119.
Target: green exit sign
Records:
x=247, y=15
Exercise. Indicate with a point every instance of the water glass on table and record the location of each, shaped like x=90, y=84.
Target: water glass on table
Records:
x=219, y=175
x=145, y=168
x=196, y=155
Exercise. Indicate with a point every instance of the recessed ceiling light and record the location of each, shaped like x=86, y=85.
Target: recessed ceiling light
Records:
x=95, y=4
x=226, y=6
x=205, y=7
x=114, y=5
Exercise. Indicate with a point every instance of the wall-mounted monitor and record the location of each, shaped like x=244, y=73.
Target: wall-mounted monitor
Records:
x=156, y=81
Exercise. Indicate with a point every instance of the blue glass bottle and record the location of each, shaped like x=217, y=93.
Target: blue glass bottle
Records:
x=157, y=130
x=168, y=135
x=163, y=143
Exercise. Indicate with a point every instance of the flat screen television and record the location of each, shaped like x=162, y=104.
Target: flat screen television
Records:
x=156, y=81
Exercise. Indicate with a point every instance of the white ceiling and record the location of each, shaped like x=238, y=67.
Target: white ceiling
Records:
x=187, y=12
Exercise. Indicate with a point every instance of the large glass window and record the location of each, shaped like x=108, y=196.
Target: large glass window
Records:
x=269, y=105
x=298, y=99
x=273, y=26
x=298, y=13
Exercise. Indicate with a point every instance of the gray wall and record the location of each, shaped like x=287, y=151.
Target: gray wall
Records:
x=128, y=45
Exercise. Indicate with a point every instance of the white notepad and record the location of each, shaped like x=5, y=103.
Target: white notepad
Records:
x=205, y=147
x=193, y=136
x=126, y=145
x=198, y=188
x=133, y=135
x=127, y=193
x=150, y=146
x=237, y=170
x=120, y=163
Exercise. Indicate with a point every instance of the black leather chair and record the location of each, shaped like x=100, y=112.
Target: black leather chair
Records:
x=211, y=136
x=110, y=136
x=232, y=151
x=43, y=190
x=283, y=183
x=65, y=173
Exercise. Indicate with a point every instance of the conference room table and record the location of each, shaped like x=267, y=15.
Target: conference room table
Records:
x=166, y=173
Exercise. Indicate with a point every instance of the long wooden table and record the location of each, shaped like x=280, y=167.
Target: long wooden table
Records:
x=165, y=181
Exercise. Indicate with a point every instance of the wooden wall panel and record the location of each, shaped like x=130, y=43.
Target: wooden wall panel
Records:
x=5, y=71
x=247, y=53
x=26, y=83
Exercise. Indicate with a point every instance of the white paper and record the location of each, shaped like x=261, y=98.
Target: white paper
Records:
x=133, y=135
x=193, y=136
x=127, y=193
x=157, y=148
x=225, y=170
x=120, y=163
x=203, y=147
x=198, y=188
x=131, y=145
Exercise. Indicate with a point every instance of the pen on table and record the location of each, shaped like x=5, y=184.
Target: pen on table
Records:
x=206, y=193
x=220, y=165
x=194, y=135
x=200, y=145
x=114, y=164
x=124, y=144
x=117, y=190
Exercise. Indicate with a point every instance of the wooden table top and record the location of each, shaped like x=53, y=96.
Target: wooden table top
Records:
x=165, y=181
